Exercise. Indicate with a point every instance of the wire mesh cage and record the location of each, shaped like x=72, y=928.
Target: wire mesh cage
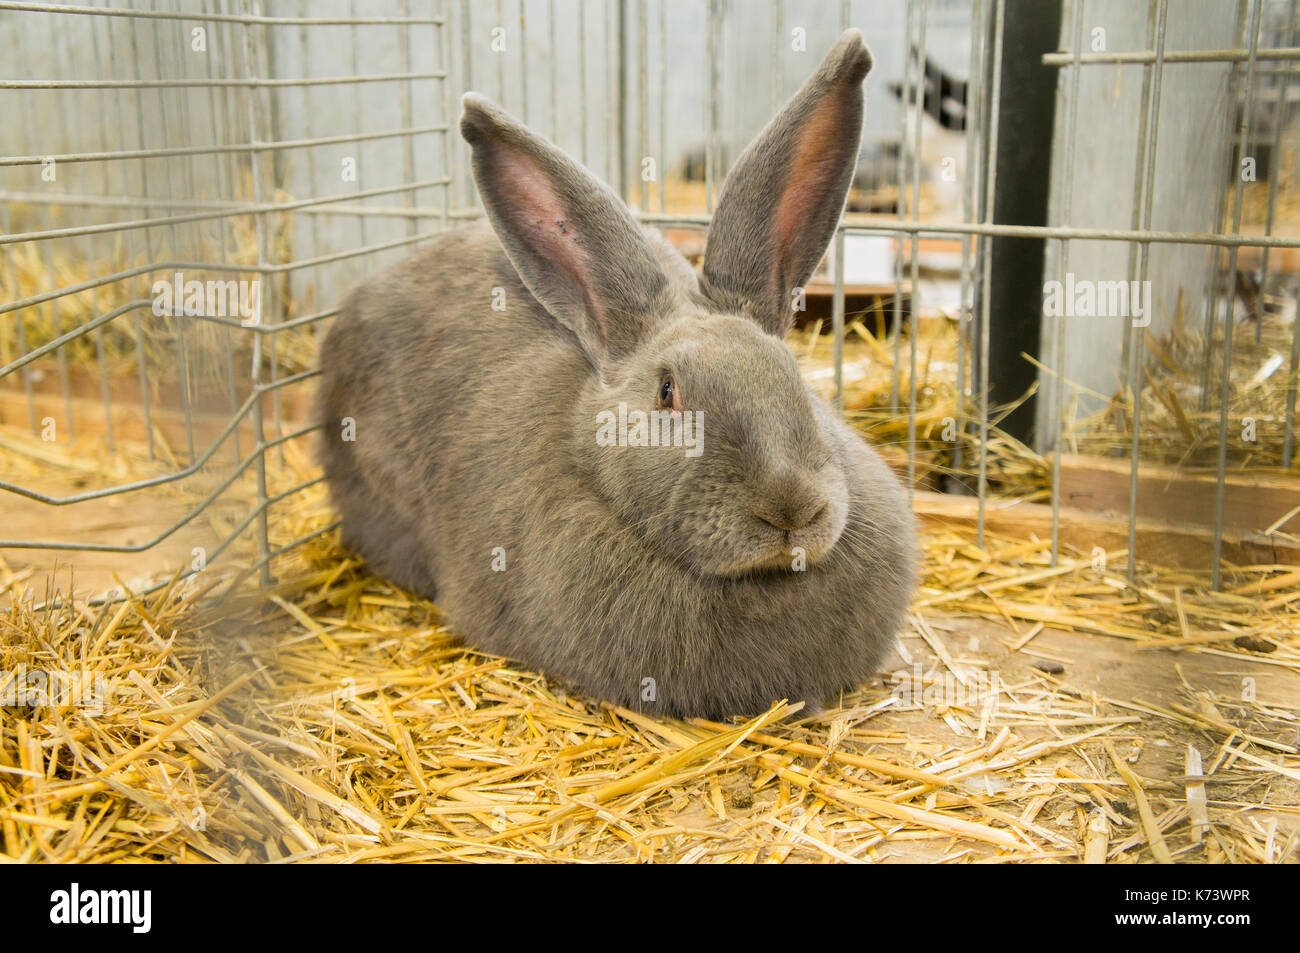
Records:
x=1060, y=302
x=189, y=191
x=166, y=236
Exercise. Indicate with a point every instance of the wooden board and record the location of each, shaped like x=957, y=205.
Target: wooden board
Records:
x=819, y=287
x=1252, y=502
x=1161, y=544
x=130, y=519
x=127, y=414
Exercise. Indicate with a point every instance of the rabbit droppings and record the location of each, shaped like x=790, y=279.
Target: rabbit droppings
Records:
x=606, y=465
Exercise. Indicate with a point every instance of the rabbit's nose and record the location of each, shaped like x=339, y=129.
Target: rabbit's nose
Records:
x=790, y=505
x=788, y=520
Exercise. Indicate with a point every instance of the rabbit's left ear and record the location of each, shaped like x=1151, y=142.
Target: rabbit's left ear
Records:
x=574, y=244
x=783, y=198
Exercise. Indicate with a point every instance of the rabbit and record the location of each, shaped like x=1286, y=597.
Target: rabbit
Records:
x=773, y=561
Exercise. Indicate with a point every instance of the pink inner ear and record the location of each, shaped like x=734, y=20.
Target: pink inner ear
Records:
x=541, y=220
x=812, y=169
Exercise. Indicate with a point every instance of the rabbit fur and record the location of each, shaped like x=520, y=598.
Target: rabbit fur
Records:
x=775, y=562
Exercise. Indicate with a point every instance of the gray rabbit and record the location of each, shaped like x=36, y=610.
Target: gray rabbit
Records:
x=496, y=459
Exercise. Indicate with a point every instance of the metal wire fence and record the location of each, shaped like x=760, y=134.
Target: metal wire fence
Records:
x=195, y=145
x=183, y=173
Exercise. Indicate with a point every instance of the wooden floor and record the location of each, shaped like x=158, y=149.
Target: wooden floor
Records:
x=1116, y=680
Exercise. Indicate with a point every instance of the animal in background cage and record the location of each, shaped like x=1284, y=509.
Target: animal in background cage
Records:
x=462, y=438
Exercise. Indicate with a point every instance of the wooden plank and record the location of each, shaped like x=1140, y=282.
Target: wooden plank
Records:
x=129, y=519
x=127, y=415
x=1252, y=501
x=1251, y=257
x=1161, y=544
x=819, y=287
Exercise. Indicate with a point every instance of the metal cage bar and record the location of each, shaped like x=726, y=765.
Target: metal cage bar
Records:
x=181, y=195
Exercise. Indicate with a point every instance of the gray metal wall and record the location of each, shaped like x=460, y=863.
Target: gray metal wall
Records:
x=1193, y=147
x=571, y=68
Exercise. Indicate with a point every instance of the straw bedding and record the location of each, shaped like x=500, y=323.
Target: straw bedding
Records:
x=338, y=720
x=1035, y=713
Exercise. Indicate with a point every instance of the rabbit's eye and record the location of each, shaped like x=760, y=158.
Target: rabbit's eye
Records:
x=669, y=399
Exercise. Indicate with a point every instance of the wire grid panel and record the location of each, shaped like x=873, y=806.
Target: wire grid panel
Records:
x=1235, y=67
x=1255, y=57
x=264, y=156
x=1197, y=97
x=164, y=274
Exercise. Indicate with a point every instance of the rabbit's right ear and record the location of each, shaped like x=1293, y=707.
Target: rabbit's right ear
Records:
x=574, y=244
x=783, y=198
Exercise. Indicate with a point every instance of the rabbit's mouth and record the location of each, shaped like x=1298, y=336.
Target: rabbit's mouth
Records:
x=761, y=546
